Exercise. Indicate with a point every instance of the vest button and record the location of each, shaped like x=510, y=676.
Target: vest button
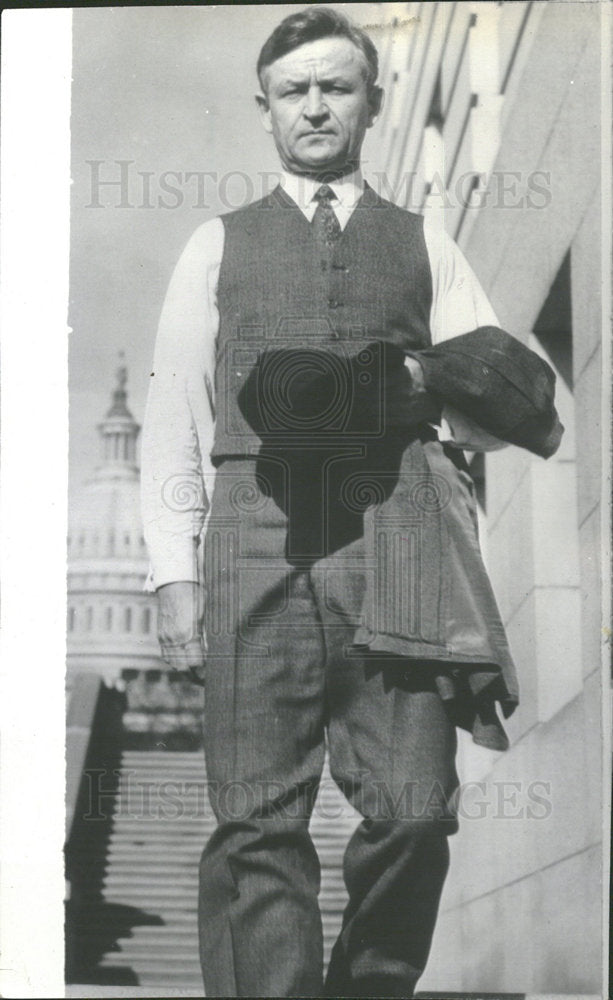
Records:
x=334, y=303
x=334, y=335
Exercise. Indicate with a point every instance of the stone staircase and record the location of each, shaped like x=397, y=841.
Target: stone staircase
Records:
x=134, y=920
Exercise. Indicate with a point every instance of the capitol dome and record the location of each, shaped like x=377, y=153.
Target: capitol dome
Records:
x=111, y=619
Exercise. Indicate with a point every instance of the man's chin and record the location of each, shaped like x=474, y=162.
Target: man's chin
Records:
x=319, y=165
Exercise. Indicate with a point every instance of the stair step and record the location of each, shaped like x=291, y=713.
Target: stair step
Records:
x=142, y=869
x=141, y=837
x=192, y=987
x=92, y=991
x=184, y=765
x=184, y=941
x=154, y=855
x=178, y=787
x=94, y=909
x=153, y=932
x=154, y=863
x=163, y=753
x=162, y=963
x=156, y=813
x=151, y=755
x=174, y=943
x=147, y=832
x=184, y=950
x=150, y=759
x=153, y=866
x=168, y=913
x=176, y=922
x=162, y=828
x=136, y=807
x=164, y=907
x=155, y=904
x=118, y=881
x=151, y=803
x=166, y=967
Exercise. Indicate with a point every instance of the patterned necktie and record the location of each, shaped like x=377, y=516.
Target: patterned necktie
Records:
x=325, y=224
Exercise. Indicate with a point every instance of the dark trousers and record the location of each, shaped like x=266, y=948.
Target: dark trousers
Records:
x=281, y=673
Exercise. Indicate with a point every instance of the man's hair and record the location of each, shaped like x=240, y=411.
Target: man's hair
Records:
x=310, y=25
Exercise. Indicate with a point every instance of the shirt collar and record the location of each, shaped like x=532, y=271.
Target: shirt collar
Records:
x=348, y=189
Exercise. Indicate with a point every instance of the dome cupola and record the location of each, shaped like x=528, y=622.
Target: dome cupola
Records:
x=119, y=430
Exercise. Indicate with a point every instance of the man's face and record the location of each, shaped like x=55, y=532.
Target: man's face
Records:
x=317, y=105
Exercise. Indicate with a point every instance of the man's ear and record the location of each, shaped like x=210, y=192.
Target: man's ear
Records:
x=264, y=108
x=376, y=97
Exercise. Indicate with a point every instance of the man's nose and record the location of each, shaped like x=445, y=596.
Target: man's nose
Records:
x=315, y=106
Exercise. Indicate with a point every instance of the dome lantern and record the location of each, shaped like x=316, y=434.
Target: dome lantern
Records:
x=119, y=430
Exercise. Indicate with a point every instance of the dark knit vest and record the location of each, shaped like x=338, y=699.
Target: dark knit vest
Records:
x=280, y=291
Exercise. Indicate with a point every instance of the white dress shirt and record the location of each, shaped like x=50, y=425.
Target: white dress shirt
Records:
x=179, y=427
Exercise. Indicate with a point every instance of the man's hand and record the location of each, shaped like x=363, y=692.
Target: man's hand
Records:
x=416, y=372
x=180, y=627
x=398, y=397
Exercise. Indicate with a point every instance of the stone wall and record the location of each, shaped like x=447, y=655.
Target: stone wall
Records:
x=523, y=906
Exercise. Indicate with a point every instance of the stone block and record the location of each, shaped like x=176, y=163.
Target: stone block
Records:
x=444, y=969
x=586, y=292
x=588, y=395
x=554, y=524
x=504, y=471
x=541, y=934
x=595, y=755
x=497, y=842
x=518, y=906
x=510, y=551
x=558, y=647
x=482, y=930
x=560, y=762
x=567, y=929
x=521, y=632
x=591, y=612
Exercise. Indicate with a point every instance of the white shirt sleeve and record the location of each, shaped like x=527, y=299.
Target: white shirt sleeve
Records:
x=177, y=474
x=459, y=305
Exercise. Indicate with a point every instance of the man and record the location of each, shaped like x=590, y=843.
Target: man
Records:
x=295, y=424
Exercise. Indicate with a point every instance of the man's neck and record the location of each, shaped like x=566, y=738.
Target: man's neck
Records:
x=329, y=174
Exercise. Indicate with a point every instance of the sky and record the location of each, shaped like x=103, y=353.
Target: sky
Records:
x=158, y=93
